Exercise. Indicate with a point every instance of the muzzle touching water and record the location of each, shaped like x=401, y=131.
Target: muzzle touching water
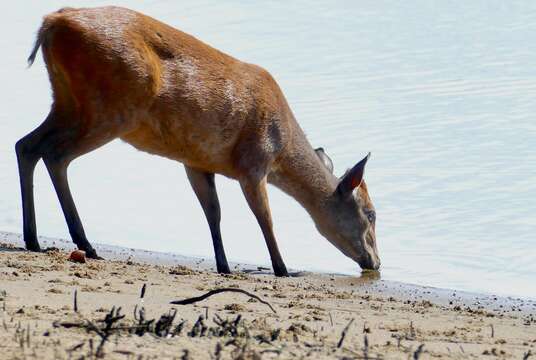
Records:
x=370, y=263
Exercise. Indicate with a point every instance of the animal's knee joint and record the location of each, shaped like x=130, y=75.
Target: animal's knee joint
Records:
x=25, y=151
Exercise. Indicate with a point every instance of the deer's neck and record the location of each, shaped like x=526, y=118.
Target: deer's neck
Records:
x=301, y=174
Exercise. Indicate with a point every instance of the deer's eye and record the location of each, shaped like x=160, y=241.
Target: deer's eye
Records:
x=371, y=216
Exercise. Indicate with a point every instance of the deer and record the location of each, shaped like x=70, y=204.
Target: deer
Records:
x=118, y=74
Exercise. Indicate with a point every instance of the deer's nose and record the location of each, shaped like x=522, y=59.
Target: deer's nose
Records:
x=370, y=262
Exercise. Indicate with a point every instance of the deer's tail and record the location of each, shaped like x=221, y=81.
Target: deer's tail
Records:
x=44, y=30
x=37, y=45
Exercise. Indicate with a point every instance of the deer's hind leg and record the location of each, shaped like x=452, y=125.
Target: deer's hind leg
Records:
x=61, y=150
x=29, y=152
x=65, y=140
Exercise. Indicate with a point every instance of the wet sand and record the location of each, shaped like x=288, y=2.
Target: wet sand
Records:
x=382, y=319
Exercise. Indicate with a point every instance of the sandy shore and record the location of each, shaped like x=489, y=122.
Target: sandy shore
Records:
x=382, y=320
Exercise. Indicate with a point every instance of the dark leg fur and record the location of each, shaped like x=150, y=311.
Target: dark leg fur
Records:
x=255, y=193
x=205, y=189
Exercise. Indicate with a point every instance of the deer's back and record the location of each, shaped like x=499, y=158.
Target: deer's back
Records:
x=169, y=93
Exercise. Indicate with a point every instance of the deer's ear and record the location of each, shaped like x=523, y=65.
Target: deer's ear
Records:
x=353, y=177
x=325, y=158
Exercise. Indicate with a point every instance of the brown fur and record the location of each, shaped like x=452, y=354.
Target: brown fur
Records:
x=116, y=73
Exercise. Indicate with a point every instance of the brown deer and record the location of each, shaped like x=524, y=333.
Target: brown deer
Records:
x=116, y=73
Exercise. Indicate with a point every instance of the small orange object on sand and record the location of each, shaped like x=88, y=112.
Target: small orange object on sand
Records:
x=78, y=256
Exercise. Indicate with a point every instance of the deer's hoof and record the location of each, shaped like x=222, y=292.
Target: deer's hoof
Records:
x=92, y=254
x=224, y=269
x=281, y=272
x=33, y=246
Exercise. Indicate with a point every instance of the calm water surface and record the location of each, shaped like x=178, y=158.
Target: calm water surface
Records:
x=442, y=93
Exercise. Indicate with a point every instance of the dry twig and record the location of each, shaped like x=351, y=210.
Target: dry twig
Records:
x=343, y=334
x=217, y=291
x=418, y=352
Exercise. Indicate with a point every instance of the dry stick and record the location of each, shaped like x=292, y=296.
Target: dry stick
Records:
x=411, y=331
x=90, y=347
x=143, y=291
x=418, y=352
x=28, y=335
x=492, y=331
x=343, y=334
x=75, y=300
x=217, y=291
x=185, y=354
x=124, y=352
x=330, y=319
x=142, y=294
x=365, y=347
x=76, y=347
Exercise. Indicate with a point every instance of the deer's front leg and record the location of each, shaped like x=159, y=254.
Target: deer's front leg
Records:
x=255, y=193
x=205, y=189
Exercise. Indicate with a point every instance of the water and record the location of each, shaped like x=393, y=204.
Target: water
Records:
x=441, y=93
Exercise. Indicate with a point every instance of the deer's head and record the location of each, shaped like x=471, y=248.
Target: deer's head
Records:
x=349, y=219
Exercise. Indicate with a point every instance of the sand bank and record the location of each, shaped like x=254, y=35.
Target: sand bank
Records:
x=382, y=319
